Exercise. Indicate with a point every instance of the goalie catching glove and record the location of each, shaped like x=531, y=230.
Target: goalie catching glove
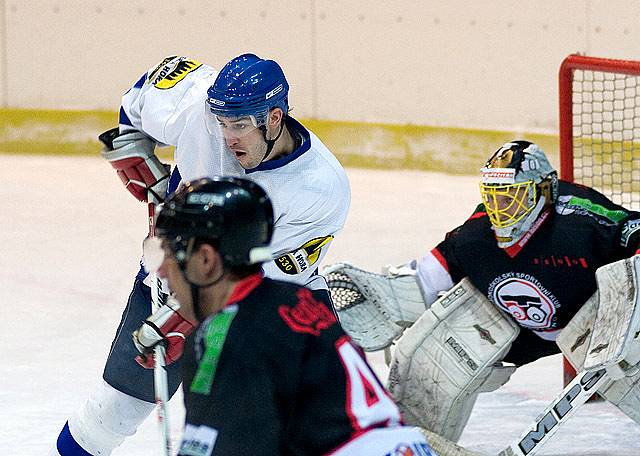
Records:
x=374, y=309
x=165, y=326
x=132, y=155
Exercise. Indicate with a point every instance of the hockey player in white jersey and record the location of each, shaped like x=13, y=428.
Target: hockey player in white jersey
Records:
x=231, y=123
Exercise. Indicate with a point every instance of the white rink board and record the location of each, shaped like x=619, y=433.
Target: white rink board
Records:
x=70, y=251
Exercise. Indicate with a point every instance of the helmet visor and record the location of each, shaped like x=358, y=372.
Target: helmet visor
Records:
x=230, y=126
x=506, y=205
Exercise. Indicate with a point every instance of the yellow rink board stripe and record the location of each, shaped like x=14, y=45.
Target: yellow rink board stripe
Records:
x=356, y=144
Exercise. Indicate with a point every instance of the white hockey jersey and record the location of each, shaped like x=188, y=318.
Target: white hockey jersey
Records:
x=308, y=188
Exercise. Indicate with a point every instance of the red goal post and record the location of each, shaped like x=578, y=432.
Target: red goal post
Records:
x=600, y=130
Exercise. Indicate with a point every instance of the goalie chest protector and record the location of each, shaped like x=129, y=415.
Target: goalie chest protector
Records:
x=544, y=281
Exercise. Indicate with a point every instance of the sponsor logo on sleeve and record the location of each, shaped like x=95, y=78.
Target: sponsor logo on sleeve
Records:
x=304, y=257
x=308, y=316
x=154, y=73
x=171, y=71
x=569, y=204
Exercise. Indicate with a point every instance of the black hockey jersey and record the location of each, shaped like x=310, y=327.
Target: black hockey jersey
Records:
x=543, y=280
x=274, y=374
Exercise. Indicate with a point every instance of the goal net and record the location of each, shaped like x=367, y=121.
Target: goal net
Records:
x=600, y=130
x=600, y=126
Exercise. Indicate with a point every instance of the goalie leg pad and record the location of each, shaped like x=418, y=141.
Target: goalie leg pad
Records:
x=615, y=342
x=450, y=355
x=625, y=394
x=575, y=340
x=374, y=309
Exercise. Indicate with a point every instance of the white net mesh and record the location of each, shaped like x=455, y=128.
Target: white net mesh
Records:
x=606, y=134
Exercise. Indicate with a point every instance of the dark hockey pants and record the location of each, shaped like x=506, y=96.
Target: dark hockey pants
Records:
x=121, y=370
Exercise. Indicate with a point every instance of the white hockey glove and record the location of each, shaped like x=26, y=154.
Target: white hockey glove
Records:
x=164, y=326
x=374, y=309
x=132, y=155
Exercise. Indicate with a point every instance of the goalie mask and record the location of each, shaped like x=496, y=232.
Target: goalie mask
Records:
x=518, y=183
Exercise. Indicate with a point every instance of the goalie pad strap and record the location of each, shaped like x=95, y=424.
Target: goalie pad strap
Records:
x=450, y=355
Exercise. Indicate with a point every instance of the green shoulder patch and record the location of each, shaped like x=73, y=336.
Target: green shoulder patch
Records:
x=215, y=333
x=613, y=215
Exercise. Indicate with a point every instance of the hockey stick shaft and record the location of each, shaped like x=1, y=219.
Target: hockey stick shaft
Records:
x=575, y=394
x=160, y=381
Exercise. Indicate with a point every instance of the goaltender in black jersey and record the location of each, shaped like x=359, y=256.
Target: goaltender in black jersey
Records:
x=515, y=276
x=268, y=371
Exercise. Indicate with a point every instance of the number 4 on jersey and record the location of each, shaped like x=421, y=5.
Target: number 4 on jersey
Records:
x=368, y=403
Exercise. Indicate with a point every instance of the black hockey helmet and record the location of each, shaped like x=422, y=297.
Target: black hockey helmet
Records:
x=235, y=214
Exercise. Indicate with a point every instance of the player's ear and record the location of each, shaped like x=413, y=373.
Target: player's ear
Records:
x=209, y=260
x=275, y=117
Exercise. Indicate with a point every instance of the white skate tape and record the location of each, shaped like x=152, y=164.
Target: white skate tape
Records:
x=106, y=419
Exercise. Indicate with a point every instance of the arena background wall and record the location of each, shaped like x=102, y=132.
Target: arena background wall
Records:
x=451, y=65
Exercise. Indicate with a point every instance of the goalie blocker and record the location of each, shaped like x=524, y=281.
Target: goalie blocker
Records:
x=605, y=333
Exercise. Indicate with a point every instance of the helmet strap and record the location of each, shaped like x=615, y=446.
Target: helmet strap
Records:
x=270, y=142
x=195, y=288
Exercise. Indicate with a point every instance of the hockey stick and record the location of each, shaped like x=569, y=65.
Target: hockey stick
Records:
x=548, y=422
x=575, y=394
x=160, y=382
x=612, y=352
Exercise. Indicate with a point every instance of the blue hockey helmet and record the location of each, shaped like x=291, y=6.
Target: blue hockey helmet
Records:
x=248, y=86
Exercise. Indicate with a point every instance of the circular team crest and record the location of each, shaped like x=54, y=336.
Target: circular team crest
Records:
x=527, y=301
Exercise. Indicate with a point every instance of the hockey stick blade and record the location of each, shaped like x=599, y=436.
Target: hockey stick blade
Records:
x=575, y=394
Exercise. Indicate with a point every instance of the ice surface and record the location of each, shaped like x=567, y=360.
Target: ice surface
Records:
x=71, y=243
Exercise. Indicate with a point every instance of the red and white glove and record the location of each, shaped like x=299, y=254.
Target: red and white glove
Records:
x=132, y=155
x=165, y=326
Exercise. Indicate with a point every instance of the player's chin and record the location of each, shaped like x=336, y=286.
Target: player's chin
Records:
x=246, y=162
